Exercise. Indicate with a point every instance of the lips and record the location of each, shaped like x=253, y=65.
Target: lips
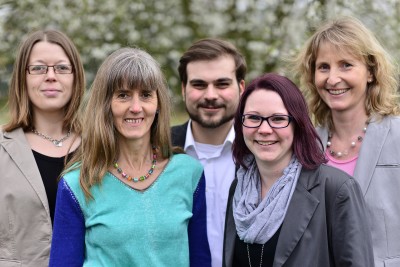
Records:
x=51, y=92
x=266, y=143
x=134, y=121
x=337, y=91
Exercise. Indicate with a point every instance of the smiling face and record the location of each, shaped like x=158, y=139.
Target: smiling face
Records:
x=341, y=79
x=134, y=112
x=269, y=146
x=49, y=92
x=212, y=92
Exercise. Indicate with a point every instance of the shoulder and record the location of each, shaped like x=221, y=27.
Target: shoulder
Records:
x=187, y=162
x=71, y=178
x=179, y=128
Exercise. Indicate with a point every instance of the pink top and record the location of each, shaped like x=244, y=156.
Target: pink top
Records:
x=345, y=165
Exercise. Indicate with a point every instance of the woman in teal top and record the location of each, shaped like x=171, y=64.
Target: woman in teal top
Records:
x=126, y=199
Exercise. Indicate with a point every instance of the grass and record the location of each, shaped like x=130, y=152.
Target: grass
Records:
x=178, y=117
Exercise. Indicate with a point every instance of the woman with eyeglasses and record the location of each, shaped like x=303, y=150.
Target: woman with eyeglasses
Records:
x=45, y=92
x=286, y=207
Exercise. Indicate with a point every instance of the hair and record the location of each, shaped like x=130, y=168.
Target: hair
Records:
x=209, y=49
x=350, y=35
x=20, y=107
x=130, y=68
x=307, y=146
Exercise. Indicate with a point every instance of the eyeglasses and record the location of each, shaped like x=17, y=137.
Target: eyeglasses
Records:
x=42, y=69
x=274, y=121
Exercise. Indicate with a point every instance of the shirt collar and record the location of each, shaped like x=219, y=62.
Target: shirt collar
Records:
x=190, y=142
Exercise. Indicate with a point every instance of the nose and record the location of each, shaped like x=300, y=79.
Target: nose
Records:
x=50, y=75
x=211, y=92
x=265, y=128
x=333, y=78
x=135, y=106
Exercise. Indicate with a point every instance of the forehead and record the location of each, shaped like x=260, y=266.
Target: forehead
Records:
x=265, y=102
x=328, y=50
x=210, y=70
x=44, y=51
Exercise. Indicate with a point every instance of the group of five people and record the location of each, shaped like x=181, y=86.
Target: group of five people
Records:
x=245, y=182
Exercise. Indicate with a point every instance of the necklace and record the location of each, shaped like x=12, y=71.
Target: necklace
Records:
x=57, y=143
x=353, y=144
x=262, y=252
x=143, y=177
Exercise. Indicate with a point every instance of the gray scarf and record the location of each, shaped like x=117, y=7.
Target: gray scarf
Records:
x=257, y=222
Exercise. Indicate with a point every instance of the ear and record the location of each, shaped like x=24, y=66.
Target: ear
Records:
x=241, y=87
x=370, y=78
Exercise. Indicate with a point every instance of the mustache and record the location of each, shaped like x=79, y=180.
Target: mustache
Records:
x=210, y=104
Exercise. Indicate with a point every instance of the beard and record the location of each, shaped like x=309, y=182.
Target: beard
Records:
x=210, y=122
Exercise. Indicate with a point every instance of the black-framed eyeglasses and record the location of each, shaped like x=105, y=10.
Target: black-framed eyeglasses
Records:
x=42, y=69
x=274, y=121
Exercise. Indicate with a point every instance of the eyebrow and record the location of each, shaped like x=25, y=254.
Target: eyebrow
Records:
x=215, y=81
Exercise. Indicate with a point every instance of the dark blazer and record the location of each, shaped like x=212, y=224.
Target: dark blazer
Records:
x=178, y=134
x=325, y=224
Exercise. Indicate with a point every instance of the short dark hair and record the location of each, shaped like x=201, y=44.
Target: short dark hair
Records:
x=209, y=49
x=307, y=146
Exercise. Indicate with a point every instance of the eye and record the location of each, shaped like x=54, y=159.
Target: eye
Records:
x=222, y=85
x=323, y=67
x=147, y=94
x=121, y=95
x=346, y=65
x=63, y=67
x=199, y=85
x=279, y=119
x=37, y=67
x=253, y=117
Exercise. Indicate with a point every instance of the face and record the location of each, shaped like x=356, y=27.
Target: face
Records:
x=212, y=93
x=268, y=145
x=341, y=79
x=134, y=112
x=49, y=92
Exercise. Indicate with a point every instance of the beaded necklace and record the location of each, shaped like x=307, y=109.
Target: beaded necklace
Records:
x=340, y=154
x=143, y=177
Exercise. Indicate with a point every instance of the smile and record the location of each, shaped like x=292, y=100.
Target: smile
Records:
x=133, y=120
x=266, y=143
x=337, y=91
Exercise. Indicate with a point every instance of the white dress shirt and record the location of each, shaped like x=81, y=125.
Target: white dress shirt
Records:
x=219, y=170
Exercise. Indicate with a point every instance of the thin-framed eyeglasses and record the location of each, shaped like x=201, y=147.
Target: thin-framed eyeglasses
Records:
x=43, y=69
x=274, y=121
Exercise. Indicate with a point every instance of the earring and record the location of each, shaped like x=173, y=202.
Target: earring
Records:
x=369, y=80
x=157, y=111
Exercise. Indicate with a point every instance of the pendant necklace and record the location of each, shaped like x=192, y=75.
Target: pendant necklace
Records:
x=353, y=144
x=143, y=177
x=262, y=252
x=57, y=143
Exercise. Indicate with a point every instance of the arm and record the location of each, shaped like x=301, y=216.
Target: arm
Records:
x=351, y=236
x=68, y=243
x=197, y=230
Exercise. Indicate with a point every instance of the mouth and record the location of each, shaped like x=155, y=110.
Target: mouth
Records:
x=134, y=121
x=266, y=143
x=337, y=91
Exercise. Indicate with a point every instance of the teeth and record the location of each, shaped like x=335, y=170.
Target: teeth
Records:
x=265, y=143
x=337, y=92
x=133, y=120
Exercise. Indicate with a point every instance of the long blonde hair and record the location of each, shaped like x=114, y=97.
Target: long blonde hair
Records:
x=127, y=67
x=350, y=35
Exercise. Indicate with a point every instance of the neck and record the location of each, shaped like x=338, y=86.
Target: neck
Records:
x=269, y=174
x=49, y=124
x=348, y=125
x=135, y=154
x=212, y=136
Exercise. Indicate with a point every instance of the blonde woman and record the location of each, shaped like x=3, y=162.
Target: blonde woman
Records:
x=126, y=199
x=46, y=89
x=352, y=86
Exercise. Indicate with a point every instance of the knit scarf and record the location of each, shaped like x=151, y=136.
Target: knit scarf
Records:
x=257, y=222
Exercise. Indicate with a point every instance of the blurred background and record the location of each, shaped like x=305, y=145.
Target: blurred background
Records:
x=267, y=32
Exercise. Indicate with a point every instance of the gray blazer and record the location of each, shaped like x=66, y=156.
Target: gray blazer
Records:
x=378, y=173
x=325, y=224
x=25, y=223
